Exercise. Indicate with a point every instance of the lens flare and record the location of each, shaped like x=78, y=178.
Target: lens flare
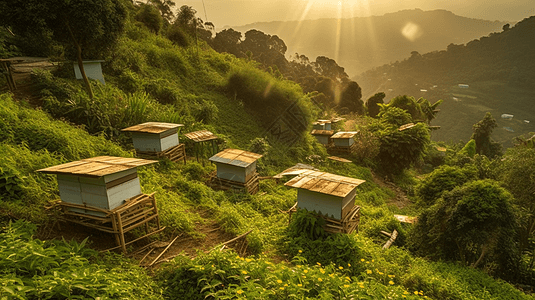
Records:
x=411, y=31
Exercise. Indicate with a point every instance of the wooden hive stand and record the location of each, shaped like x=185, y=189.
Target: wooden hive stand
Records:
x=135, y=212
x=175, y=154
x=347, y=225
x=251, y=186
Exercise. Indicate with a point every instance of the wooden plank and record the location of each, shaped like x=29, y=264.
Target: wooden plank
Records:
x=166, y=248
x=119, y=181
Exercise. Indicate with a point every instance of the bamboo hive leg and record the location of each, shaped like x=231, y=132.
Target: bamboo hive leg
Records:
x=121, y=233
x=116, y=232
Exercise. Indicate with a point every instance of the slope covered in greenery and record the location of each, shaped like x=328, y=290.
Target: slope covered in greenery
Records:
x=497, y=68
x=151, y=79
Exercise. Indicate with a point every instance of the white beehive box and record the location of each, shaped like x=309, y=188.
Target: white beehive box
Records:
x=344, y=138
x=327, y=194
x=154, y=136
x=235, y=165
x=323, y=136
x=92, y=69
x=104, y=182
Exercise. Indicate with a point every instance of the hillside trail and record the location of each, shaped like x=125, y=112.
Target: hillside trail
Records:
x=206, y=236
x=400, y=198
x=26, y=89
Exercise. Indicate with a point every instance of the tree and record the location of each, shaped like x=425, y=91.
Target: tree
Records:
x=165, y=7
x=518, y=173
x=474, y=224
x=352, y=98
x=90, y=27
x=150, y=16
x=399, y=150
x=228, y=40
x=482, y=131
x=372, y=104
x=442, y=179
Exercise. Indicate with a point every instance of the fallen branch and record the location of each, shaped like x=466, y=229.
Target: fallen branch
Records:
x=391, y=240
x=164, y=250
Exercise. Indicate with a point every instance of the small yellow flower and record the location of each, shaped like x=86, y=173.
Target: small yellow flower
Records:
x=368, y=271
x=391, y=282
x=405, y=292
x=279, y=281
x=285, y=284
x=391, y=276
x=362, y=259
x=348, y=279
x=244, y=272
x=349, y=265
x=248, y=260
x=299, y=284
x=373, y=260
x=322, y=271
x=367, y=262
x=239, y=292
x=300, y=251
x=212, y=266
x=331, y=275
x=421, y=293
x=281, y=288
x=381, y=273
x=320, y=280
x=304, y=276
x=416, y=292
x=361, y=286
x=305, y=271
x=238, y=257
x=340, y=267
x=346, y=285
x=318, y=264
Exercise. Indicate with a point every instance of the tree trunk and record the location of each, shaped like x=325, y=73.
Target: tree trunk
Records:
x=81, y=63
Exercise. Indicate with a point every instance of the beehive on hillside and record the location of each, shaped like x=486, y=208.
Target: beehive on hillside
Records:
x=104, y=193
x=331, y=196
x=200, y=139
x=236, y=169
x=343, y=142
x=323, y=136
x=157, y=140
x=322, y=125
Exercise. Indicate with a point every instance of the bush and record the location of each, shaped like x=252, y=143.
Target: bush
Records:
x=444, y=178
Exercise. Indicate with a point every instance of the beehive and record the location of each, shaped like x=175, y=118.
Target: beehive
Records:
x=104, y=182
x=330, y=195
x=235, y=165
x=323, y=136
x=154, y=136
x=344, y=138
x=322, y=125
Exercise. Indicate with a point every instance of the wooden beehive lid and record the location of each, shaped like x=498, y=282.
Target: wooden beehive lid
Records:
x=406, y=126
x=298, y=169
x=344, y=134
x=325, y=183
x=97, y=166
x=201, y=136
x=152, y=127
x=320, y=122
x=322, y=132
x=235, y=157
x=337, y=119
x=336, y=158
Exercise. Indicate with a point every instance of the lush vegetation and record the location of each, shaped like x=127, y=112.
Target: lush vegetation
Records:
x=496, y=71
x=461, y=248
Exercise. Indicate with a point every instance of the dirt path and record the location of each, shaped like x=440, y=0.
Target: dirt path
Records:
x=400, y=199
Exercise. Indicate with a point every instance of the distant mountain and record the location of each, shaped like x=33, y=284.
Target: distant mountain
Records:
x=495, y=73
x=366, y=42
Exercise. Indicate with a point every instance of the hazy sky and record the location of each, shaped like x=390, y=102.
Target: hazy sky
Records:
x=240, y=12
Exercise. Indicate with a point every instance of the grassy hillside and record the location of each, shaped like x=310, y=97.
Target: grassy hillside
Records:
x=367, y=42
x=150, y=79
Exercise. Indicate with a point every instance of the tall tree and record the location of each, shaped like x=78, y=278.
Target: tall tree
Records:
x=372, y=104
x=352, y=98
x=482, y=131
x=90, y=27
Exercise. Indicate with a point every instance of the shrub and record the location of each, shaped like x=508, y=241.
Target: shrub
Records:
x=444, y=178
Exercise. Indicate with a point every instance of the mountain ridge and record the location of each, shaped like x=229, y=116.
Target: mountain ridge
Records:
x=375, y=36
